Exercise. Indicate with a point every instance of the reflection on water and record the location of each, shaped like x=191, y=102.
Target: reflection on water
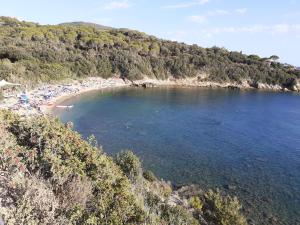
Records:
x=248, y=140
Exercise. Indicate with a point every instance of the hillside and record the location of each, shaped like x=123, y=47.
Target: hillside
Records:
x=32, y=53
x=50, y=175
x=80, y=23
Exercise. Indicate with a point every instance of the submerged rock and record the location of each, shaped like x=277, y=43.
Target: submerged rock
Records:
x=230, y=187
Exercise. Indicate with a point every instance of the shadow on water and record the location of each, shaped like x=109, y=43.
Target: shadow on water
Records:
x=248, y=140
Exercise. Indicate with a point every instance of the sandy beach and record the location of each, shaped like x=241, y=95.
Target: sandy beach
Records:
x=42, y=99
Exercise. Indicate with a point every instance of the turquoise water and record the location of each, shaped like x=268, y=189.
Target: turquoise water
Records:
x=249, y=140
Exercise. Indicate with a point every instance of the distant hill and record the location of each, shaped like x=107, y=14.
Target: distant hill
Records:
x=79, y=23
x=33, y=53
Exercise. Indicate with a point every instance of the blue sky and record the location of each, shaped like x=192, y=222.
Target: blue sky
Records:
x=264, y=27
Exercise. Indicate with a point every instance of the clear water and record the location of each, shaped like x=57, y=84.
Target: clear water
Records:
x=250, y=140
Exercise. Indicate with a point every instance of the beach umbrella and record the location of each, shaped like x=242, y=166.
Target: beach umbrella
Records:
x=5, y=83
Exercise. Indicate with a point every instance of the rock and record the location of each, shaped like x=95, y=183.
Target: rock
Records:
x=261, y=86
x=147, y=85
x=189, y=191
x=276, y=87
x=230, y=187
x=265, y=199
x=208, y=213
x=202, y=76
x=69, y=125
x=285, y=89
x=202, y=220
x=144, y=84
x=273, y=220
x=174, y=200
x=251, y=222
x=232, y=87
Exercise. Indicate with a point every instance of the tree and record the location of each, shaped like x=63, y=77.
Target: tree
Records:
x=274, y=57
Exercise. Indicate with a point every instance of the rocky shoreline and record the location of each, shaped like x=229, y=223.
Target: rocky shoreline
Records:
x=197, y=82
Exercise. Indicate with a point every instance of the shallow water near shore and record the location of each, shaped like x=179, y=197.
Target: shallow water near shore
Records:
x=248, y=141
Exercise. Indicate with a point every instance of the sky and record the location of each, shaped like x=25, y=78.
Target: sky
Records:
x=263, y=27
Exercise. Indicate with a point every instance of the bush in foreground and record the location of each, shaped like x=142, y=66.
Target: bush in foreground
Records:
x=226, y=209
x=50, y=175
x=129, y=164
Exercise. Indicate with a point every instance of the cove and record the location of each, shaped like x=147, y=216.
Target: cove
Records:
x=247, y=140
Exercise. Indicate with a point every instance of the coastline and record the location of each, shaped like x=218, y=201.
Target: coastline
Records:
x=44, y=98
x=117, y=83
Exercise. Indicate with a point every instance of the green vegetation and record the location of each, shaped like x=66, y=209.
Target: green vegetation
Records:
x=149, y=175
x=31, y=53
x=225, y=209
x=195, y=203
x=129, y=164
x=54, y=177
x=50, y=175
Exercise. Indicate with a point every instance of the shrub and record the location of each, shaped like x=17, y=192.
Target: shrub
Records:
x=226, y=209
x=72, y=179
x=195, y=203
x=1, y=95
x=149, y=175
x=50, y=175
x=177, y=215
x=36, y=203
x=129, y=164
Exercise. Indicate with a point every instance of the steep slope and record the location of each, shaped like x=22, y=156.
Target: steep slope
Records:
x=50, y=175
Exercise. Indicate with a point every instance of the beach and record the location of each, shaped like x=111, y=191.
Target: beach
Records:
x=42, y=99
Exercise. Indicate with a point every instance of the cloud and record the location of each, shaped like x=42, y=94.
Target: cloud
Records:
x=218, y=12
x=187, y=4
x=117, y=5
x=197, y=19
x=292, y=14
x=276, y=29
x=241, y=11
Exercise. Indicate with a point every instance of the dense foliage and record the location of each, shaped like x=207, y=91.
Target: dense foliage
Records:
x=54, y=177
x=50, y=175
x=31, y=53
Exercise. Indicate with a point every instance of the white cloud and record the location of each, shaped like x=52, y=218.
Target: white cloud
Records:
x=241, y=11
x=187, y=4
x=276, y=29
x=197, y=19
x=117, y=5
x=218, y=12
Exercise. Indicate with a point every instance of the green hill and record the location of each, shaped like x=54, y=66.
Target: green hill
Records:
x=32, y=53
x=80, y=23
